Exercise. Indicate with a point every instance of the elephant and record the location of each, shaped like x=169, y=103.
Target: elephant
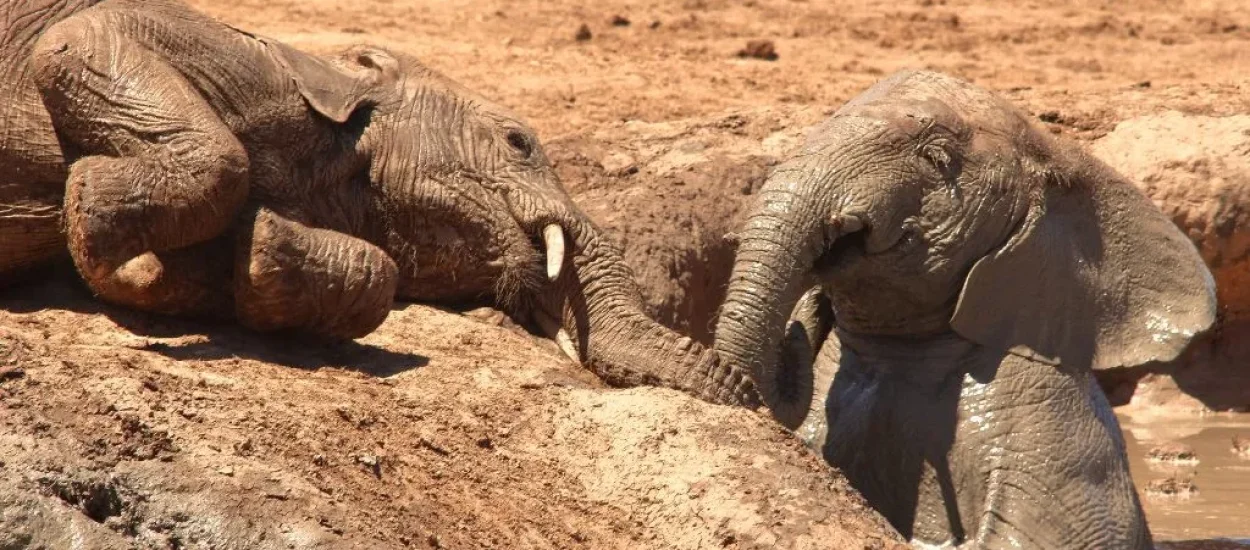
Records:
x=923, y=293
x=192, y=168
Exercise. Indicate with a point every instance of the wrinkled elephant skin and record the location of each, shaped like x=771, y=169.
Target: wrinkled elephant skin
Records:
x=970, y=273
x=193, y=168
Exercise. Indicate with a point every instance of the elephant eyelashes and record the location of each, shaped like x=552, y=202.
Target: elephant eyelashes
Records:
x=520, y=143
x=943, y=161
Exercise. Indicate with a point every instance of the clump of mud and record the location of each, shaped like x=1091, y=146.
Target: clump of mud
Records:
x=1171, y=488
x=1241, y=447
x=1173, y=453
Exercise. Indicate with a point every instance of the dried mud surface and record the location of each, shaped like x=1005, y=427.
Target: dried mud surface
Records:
x=449, y=431
x=438, y=431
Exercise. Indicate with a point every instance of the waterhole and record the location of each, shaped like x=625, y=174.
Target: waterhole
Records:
x=1214, y=499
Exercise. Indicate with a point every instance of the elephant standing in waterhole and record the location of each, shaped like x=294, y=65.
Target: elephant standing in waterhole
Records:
x=961, y=274
x=193, y=168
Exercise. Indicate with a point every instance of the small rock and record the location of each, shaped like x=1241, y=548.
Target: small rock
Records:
x=655, y=24
x=1174, y=452
x=320, y=460
x=1171, y=488
x=492, y=316
x=583, y=33
x=226, y=471
x=373, y=463
x=759, y=49
x=353, y=30
x=619, y=21
x=619, y=164
x=1241, y=446
x=485, y=443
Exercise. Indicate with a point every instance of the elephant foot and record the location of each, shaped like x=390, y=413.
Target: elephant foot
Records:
x=290, y=276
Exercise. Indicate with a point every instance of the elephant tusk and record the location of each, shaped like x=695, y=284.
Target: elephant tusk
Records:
x=553, y=237
x=553, y=330
x=566, y=345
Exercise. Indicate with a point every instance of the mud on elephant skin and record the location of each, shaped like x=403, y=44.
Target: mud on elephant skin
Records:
x=193, y=168
x=970, y=273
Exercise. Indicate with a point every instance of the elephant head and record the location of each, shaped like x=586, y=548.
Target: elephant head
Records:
x=926, y=206
x=461, y=195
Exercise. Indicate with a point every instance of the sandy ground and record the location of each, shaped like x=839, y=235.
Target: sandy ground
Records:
x=446, y=431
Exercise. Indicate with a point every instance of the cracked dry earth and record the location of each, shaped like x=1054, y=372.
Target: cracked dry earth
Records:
x=447, y=430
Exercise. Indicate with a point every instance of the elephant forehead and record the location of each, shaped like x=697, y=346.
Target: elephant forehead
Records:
x=921, y=98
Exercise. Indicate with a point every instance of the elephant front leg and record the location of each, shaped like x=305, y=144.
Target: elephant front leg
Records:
x=153, y=168
x=290, y=276
x=1040, y=449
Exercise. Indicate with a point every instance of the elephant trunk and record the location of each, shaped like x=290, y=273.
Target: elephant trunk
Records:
x=778, y=248
x=604, y=326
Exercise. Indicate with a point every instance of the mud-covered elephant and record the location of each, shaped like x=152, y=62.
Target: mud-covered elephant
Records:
x=962, y=274
x=193, y=168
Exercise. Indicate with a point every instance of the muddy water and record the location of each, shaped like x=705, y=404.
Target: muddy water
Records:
x=1220, y=508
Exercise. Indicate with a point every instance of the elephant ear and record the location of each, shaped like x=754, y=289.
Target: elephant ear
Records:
x=336, y=88
x=1096, y=275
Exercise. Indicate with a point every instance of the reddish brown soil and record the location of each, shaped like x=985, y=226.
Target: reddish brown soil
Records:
x=438, y=431
x=445, y=431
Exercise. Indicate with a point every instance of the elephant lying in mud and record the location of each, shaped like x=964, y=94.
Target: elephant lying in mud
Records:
x=970, y=272
x=193, y=168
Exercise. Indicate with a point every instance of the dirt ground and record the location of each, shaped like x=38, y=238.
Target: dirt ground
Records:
x=440, y=430
x=449, y=431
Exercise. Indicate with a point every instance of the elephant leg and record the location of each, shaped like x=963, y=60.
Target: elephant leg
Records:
x=153, y=168
x=1039, y=461
x=30, y=230
x=291, y=276
x=814, y=430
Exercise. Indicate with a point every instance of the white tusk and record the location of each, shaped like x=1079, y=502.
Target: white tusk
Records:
x=553, y=237
x=552, y=328
x=566, y=345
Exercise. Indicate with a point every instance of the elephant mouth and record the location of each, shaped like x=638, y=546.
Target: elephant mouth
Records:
x=844, y=250
x=857, y=239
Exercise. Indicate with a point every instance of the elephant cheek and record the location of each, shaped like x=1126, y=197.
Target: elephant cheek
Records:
x=441, y=264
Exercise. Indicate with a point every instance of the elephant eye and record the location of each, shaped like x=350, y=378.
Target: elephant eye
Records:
x=521, y=143
x=943, y=161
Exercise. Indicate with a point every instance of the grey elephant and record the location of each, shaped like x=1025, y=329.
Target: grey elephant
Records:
x=192, y=168
x=962, y=274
